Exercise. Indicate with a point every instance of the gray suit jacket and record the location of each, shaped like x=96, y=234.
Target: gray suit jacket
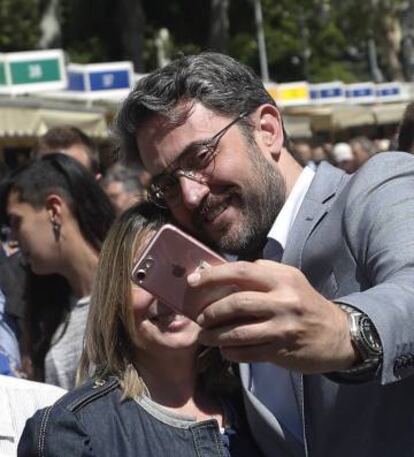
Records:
x=353, y=238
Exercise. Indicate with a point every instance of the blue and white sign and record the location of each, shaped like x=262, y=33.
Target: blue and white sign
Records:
x=326, y=93
x=100, y=80
x=361, y=92
x=392, y=92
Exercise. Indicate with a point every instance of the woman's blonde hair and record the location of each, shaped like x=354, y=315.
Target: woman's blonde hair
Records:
x=109, y=348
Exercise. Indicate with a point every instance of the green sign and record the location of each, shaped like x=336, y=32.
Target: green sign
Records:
x=2, y=74
x=34, y=71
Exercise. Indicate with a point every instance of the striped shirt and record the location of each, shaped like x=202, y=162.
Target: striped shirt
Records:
x=19, y=400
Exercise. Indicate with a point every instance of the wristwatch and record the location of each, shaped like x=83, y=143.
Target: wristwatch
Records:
x=365, y=339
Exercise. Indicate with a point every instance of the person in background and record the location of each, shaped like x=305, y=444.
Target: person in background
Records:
x=19, y=400
x=9, y=344
x=302, y=151
x=122, y=186
x=362, y=149
x=154, y=391
x=343, y=157
x=59, y=215
x=321, y=319
x=318, y=154
x=406, y=130
x=71, y=141
x=384, y=145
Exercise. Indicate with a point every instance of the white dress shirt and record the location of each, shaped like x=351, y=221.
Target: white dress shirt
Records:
x=271, y=384
x=19, y=400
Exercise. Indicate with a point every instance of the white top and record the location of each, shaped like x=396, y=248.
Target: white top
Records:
x=271, y=384
x=19, y=400
x=62, y=359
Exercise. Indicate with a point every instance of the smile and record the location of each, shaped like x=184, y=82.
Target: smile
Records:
x=165, y=319
x=210, y=214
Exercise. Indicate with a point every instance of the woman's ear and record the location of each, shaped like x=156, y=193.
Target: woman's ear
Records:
x=269, y=130
x=54, y=205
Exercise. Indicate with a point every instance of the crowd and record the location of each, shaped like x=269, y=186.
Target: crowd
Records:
x=305, y=343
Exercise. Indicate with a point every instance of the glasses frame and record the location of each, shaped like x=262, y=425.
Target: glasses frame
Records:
x=156, y=195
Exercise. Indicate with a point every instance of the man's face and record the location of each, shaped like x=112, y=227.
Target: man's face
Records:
x=120, y=198
x=360, y=154
x=236, y=205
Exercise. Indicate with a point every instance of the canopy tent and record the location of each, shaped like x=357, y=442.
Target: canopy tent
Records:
x=390, y=113
x=29, y=118
x=297, y=126
x=334, y=118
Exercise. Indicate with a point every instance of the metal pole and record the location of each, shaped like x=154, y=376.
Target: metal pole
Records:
x=264, y=71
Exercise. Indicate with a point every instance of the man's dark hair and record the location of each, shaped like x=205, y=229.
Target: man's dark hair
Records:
x=64, y=136
x=406, y=130
x=219, y=82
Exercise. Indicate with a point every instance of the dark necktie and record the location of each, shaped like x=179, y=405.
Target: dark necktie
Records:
x=273, y=250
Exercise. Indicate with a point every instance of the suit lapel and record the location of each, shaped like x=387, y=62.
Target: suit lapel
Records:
x=325, y=185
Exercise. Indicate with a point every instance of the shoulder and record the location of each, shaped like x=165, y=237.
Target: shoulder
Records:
x=88, y=394
x=65, y=427
x=387, y=178
x=91, y=397
x=385, y=166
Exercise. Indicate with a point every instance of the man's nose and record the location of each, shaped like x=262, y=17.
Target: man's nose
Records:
x=192, y=192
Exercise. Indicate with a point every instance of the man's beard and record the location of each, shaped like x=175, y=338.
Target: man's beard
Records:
x=259, y=203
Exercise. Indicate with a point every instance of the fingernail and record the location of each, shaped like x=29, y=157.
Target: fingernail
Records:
x=193, y=279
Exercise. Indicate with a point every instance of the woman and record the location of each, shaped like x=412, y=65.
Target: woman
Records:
x=59, y=215
x=154, y=390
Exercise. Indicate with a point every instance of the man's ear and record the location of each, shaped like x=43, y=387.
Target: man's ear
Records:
x=270, y=130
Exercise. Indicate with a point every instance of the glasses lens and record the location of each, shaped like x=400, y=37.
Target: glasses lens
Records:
x=197, y=158
x=162, y=188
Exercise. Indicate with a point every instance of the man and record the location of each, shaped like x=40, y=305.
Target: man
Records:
x=325, y=339
x=406, y=130
x=71, y=141
x=362, y=150
x=123, y=187
x=343, y=157
x=19, y=400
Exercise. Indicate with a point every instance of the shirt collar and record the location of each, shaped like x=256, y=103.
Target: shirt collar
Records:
x=284, y=221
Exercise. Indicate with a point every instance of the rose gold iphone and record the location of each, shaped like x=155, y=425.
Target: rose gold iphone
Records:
x=163, y=267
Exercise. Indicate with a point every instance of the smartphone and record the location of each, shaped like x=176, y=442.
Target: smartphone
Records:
x=163, y=267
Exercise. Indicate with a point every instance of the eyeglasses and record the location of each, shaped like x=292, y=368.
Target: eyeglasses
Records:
x=193, y=163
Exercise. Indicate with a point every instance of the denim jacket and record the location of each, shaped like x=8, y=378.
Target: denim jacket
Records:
x=93, y=421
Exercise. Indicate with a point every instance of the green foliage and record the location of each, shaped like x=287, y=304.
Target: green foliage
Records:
x=19, y=25
x=317, y=40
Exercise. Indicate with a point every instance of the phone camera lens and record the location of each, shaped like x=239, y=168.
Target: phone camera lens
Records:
x=141, y=274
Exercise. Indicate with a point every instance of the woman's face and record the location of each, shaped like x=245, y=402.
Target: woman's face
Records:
x=158, y=326
x=32, y=229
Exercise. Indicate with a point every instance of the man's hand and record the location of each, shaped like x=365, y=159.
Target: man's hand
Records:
x=274, y=315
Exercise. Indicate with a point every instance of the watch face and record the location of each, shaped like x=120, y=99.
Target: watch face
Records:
x=370, y=335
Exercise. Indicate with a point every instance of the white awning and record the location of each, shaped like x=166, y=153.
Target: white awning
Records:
x=297, y=126
x=391, y=113
x=31, y=119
